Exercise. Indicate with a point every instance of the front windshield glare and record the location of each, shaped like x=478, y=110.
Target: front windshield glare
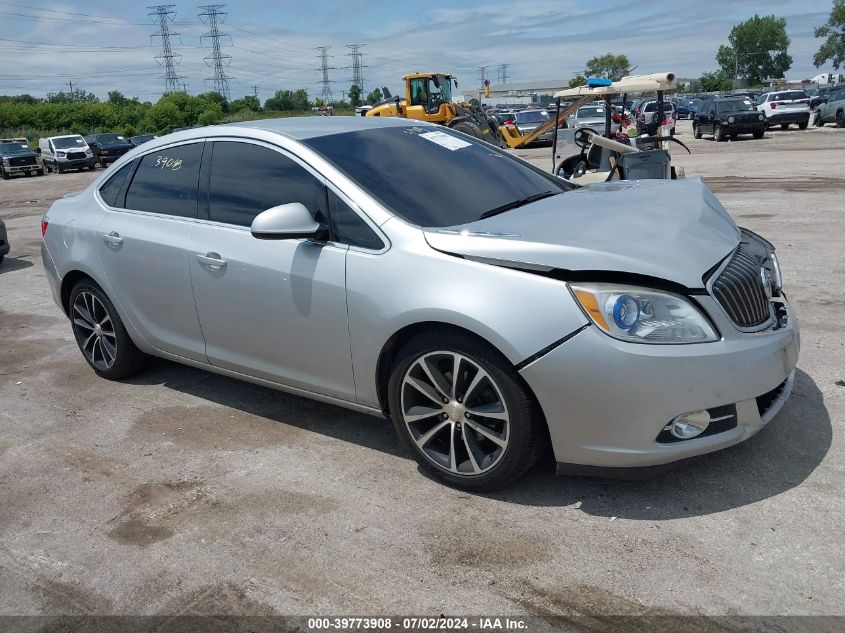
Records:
x=68, y=142
x=433, y=177
x=734, y=106
x=13, y=148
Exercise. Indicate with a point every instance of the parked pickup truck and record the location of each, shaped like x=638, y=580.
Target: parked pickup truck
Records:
x=16, y=159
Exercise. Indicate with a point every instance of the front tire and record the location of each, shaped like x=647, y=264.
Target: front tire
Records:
x=784, y=126
x=718, y=134
x=758, y=134
x=464, y=412
x=803, y=126
x=100, y=333
x=696, y=131
x=840, y=119
x=470, y=128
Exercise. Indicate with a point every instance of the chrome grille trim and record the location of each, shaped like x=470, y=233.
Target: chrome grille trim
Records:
x=737, y=287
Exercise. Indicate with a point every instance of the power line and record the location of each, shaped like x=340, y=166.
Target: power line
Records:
x=326, y=91
x=163, y=13
x=213, y=16
x=357, y=73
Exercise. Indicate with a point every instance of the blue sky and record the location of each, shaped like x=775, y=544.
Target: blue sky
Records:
x=106, y=45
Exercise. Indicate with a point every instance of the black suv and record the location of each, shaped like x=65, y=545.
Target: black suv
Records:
x=16, y=158
x=725, y=118
x=108, y=147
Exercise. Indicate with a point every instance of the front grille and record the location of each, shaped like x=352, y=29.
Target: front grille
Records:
x=22, y=160
x=765, y=402
x=740, y=290
x=75, y=155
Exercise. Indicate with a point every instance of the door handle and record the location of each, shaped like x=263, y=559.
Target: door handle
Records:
x=212, y=260
x=113, y=239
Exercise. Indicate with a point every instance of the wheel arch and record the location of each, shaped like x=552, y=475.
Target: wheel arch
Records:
x=399, y=338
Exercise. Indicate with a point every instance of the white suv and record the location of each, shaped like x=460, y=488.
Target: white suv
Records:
x=785, y=107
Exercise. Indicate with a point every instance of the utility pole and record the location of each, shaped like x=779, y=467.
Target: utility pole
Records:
x=357, y=74
x=255, y=91
x=482, y=73
x=502, y=73
x=326, y=90
x=163, y=14
x=72, y=84
x=213, y=15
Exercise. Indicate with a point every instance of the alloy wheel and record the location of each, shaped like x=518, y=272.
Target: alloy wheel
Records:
x=455, y=413
x=94, y=330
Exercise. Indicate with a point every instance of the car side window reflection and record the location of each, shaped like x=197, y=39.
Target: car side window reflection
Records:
x=246, y=179
x=167, y=181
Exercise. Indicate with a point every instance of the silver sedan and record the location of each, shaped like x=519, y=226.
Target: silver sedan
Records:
x=399, y=268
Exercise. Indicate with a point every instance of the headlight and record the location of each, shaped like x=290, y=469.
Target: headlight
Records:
x=60, y=154
x=6, y=161
x=778, y=279
x=642, y=315
x=761, y=117
x=731, y=119
x=89, y=153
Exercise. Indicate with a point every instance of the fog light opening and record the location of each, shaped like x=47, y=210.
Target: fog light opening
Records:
x=690, y=425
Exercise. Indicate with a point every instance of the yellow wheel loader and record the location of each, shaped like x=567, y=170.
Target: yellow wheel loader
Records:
x=428, y=97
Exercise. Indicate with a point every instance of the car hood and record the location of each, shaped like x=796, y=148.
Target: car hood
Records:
x=672, y=230
x=118, y=146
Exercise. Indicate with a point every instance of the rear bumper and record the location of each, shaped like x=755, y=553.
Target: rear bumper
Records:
x=606, y=401
x=52, y=275
x=774, y=118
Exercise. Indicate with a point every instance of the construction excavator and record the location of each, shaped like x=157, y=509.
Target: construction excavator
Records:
x=428, y=97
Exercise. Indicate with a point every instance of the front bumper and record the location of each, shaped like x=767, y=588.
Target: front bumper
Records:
x=76, y=163
x=775, y=118
x=22, y=169
x=606, y=401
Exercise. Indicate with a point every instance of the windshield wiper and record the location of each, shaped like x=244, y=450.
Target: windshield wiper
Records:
x=518, y=203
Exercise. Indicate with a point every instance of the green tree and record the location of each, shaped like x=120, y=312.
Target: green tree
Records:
x=249, y=103
x=354, y=93
x=374, y=97
x=164, y=116
x=715, y=82
x=610, y=66
x=577, y=81
x=211, y=115
x=833, y=48
x=757, y=50
x=116, y=98
x=288, y=100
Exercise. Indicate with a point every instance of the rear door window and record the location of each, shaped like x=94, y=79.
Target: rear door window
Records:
x=167, y=181
x=246, y=179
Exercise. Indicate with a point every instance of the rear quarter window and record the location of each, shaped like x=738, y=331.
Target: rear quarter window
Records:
x=110, y=191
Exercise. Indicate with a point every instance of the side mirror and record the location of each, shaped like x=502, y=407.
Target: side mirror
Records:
x=286, y=222
x=37, y=150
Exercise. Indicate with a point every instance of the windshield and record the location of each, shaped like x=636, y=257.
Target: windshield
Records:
x=13, y=148
x=737, y=105
x=443, y=92
x=532, y=116
x=433, y=178
x=590, y=113
x=109, y=139
x=68, y=142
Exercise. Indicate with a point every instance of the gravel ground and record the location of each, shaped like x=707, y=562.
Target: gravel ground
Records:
x=181, y=491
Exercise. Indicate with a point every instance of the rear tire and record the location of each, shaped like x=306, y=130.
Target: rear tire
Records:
x=784, y=126
x=100, y=333
x=470, y=128
x=444, y=437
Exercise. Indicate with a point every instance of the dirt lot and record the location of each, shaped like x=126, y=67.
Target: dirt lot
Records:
x=185, y=492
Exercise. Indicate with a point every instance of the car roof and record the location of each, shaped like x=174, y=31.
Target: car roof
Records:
x=301, y=128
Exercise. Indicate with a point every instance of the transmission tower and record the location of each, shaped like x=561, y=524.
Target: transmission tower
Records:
x=163, y=14
x=502, y=73
x=326, y=91
x=482, y=73
x=214, y=17
x=357, y=74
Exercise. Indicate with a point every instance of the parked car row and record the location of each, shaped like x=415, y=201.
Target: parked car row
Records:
x=62, y=153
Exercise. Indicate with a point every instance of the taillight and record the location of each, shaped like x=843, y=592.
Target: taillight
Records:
x=44, y=222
